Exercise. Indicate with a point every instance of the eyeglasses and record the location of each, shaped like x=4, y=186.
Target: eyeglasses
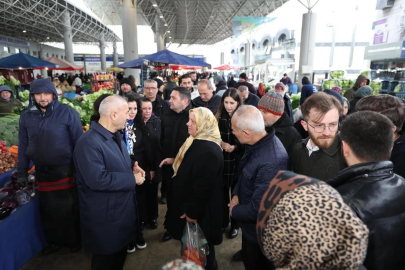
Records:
x=320, y=128
x=149, y=88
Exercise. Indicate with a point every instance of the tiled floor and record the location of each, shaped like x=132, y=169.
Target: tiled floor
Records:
x=155, y=255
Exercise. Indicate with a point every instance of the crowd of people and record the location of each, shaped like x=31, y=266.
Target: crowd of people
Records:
x=324, y=191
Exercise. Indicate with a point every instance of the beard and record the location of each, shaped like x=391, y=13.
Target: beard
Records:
x=317, y=140
x=42, y=107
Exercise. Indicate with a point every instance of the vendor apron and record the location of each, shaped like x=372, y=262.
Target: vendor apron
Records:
x=59, y=204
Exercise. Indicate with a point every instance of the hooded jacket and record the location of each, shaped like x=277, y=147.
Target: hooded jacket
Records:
x=349, y=94
x=376, y=195
x=221, y=86
x=47, y=138
x=6, y=107
x=362, y=92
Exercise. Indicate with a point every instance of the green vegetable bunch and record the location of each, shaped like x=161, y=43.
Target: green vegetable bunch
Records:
x=9, y=129
x=14, y=81
x=25, y=95
x=337, y=74
x=295, y=100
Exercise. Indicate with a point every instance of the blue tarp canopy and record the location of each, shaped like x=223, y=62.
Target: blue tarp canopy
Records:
x=166, y=57
x=22, y=60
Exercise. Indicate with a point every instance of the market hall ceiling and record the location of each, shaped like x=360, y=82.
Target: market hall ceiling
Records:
x=42, y=21
x=189, y=21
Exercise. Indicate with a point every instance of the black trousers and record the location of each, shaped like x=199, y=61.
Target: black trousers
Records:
x=147, y=198
x=212, y=263
x=109, y=262
x=253, y=258
x=225, y=209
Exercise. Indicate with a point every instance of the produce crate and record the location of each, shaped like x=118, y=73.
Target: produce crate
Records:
x=401, y=95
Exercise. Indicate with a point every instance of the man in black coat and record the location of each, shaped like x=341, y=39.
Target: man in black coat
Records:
x=371, y=189
x=271, y=106
x=243, y=81
x=151, y=92
x=319, y=156
x=247, y=97
x=207, y=97
x=168, y=88
x=174, y=134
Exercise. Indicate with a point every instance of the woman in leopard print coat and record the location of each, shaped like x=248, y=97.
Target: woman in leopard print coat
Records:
x=303, y=223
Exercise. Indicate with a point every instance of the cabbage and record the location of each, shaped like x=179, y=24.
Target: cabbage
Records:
x=22, y=197
x=337, y=74
x=30, y=190
x=6, y=193
x=31, y=179
x=13, y=204
x=295, y=100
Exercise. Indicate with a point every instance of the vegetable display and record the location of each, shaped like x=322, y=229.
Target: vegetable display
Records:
x=7, y=162
x=337, y=74
x=85, y=107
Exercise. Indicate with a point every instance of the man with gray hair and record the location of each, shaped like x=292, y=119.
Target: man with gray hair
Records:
x=152, y=93
x=264, y=156
x=207, y=97
x=248, y=98
x=106, y=180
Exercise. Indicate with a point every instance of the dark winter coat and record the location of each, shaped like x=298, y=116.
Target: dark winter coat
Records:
x=350, y=93
x=168, y=90
x=221, y=85
x=250, y=86
x=48, y=139
x=288, y=107
x=307, y=91
x=231, y=83
x=197, y=192
x=106, y=191
x=174, y=131
x=6, y=107
x=142, y=148
x=377, y=196
x=225, y=128
x=258, y=167
x=212, y=104
x=397, y=156
x=286, y=81
x=322, y=164
x=154, y=126
x=252, y=100
x=159, y=105
x=286, y=133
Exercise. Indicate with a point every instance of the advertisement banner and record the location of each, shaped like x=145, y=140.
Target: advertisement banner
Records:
x=391, y=28
x=14, y=42
x=242, y=25
x=385, y=51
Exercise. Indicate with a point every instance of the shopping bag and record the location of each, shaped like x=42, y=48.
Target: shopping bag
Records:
x=194, y=246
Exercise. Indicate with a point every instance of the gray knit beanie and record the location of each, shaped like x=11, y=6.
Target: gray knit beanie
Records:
x=272, y=102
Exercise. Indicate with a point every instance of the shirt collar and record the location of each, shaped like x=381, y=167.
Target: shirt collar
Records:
x=310, y=148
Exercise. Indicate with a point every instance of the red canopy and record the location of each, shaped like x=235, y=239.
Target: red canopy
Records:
x=63, y=64
x=226, y=67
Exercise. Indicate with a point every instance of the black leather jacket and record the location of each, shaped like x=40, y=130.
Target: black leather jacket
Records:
x=377, y=195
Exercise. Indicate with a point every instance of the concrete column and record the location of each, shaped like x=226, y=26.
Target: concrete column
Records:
x=130, y=35
x=352, y=45
x=115, y=54
x=44, y=72
x=160, y=32
x=332, y=48
x=102, y=53
x=307, y=49
x=205, y=68
x=67, y=36
x=247, y=54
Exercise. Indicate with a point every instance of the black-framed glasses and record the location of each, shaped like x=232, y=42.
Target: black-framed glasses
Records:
x=321, y=127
